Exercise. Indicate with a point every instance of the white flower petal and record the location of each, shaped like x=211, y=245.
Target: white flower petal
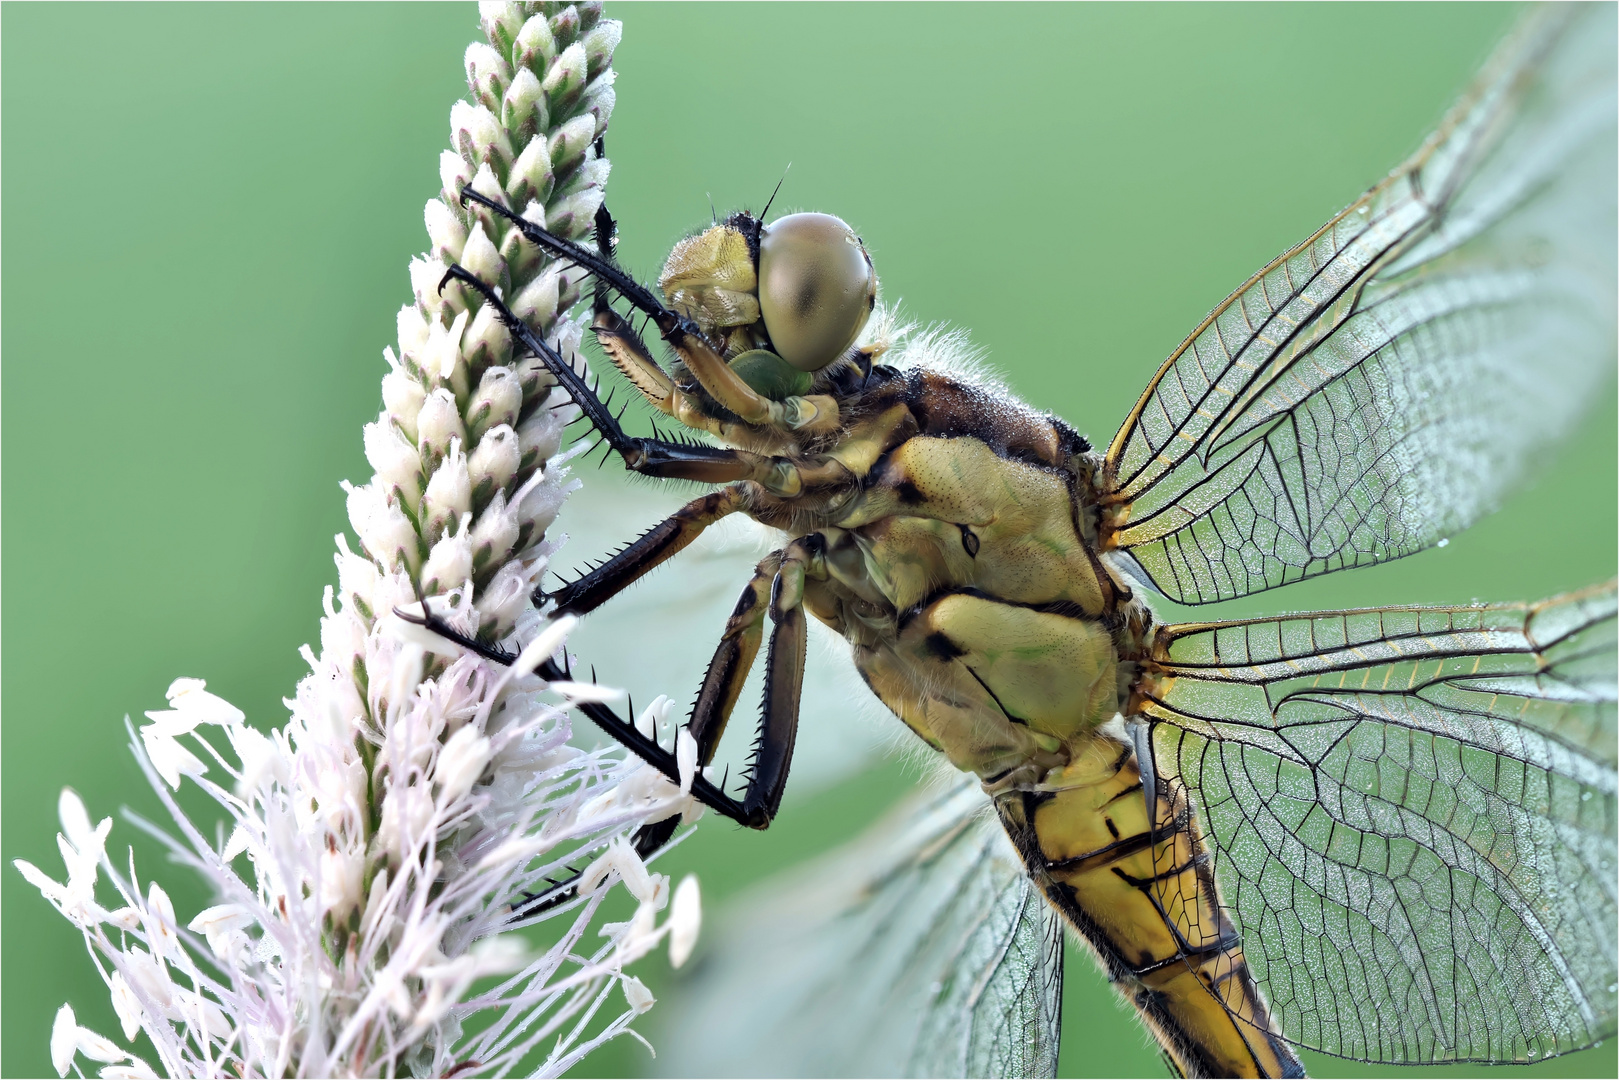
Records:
x=685, y=921
x=191, y=696
x=686, y=759
x=75, y=818
x=586, y=693
x=99, y=1048
x=169, y=758
x=635, y=992
x=461, y=761
x=544, y=645
x=135, y=1070
x=125, y=1005
x=64, y=1039
x=36, y=877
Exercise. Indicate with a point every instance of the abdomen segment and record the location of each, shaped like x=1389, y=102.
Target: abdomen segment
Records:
x=1142, y=893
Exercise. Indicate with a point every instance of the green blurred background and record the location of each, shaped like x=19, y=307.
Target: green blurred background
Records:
x=208, y=212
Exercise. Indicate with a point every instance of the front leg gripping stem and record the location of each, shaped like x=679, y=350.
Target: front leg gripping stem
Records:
x=650, y=457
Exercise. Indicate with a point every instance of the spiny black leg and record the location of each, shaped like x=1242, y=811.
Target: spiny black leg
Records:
x=784, y=683
x=644, y=747
x=658, y=544
x=733, y=659
x=650, y=457
x=603, y=269
x=647, y=841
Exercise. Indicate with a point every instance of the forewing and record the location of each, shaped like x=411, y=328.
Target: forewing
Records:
x=1379, y=387
x=922, y=950
x=1414, y=817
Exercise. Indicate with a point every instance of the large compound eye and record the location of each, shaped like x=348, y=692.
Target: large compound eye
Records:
x=816, y=288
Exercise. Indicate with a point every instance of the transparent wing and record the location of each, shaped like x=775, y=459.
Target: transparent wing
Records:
x=1414, y=816
x=923, y=950
x=1378, y=387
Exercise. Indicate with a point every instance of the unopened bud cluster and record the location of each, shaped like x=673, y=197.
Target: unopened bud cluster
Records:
x=466, y=482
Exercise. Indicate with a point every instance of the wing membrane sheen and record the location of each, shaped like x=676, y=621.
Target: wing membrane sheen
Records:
x=1414, y=816
x=1381, y=385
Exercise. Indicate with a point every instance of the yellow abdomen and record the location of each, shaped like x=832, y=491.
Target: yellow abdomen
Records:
x=1142, y=893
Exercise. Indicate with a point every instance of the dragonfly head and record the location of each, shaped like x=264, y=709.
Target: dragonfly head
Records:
x=799, y=289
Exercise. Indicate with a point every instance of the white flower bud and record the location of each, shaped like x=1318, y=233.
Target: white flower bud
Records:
x=599, y=99
x=486, y=340
x=493, y=461
x=599, y=43
x=572, y=215
x=496, y=401
x=487, y=73
x=448, y=495
x=569, y=143
x=592, y=174
x=445, y=232
x=485, y=184
x=685, y=921
x=480, y=258
x=394, y=459
x=537, y=302
x=382, y=528
x=402, y=396
x=566, y=75
x=502, y=600
x=539, y=507
x=449, y=564
x=531, y=178
x=536, y=46
x=500, y=20
x=454, y=173
x=476, y=132
x=540, y=436
x=412, y=333
x=523, y=110
x=460, y=762
x=425, y=275
x=437, y=424
x=494, y=533
x=356, y=578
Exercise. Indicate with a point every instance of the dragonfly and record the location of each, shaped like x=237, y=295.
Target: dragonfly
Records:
x=1385, y=834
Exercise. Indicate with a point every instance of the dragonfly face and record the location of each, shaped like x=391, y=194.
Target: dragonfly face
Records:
x=1257, y=825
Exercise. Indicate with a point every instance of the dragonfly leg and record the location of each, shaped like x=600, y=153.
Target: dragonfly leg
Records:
x=650, y=457
x=784, y=679
x=733, y=659
x=645, y=747
x=654, y=547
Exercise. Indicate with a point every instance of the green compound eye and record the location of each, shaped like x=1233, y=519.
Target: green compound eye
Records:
x=816, y=288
